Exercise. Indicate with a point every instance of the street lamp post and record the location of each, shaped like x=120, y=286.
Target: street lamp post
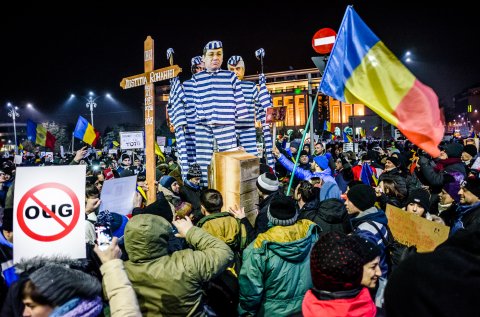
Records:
x=91, y=104
x=13, y=114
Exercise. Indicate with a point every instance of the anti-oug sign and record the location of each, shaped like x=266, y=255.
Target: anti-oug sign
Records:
x=49, y=213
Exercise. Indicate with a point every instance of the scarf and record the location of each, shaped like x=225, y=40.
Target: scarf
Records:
x=79, y=307
x=192, y=185
x=441, y=164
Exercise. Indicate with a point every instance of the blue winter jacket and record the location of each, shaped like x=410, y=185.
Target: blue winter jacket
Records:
x=304, y=174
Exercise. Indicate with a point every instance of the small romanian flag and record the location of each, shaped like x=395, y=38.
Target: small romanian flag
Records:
x=347, y=138
x=327, y=126
x=37, y=134
x=116, y=144
x=84, y=131
x=361, y=69
x=158, y=151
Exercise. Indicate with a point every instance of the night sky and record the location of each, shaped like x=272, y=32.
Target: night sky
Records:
x=47, y=58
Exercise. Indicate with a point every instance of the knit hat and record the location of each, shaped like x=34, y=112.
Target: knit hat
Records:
x=160, y=207
x=194, y=171
x=124, y=156
x=470, y=149
x=419, y=196
x=362, y=196
x=472, y=184
x=267, y=183
x=59, y=284
x=212, y=45
x=453, y=150
x=321, y=161
x=295, y=144
x=368, y=250
x=335, y=264
x=282, y=211
x=167, y=181
x=196, y=60
x=451, y=185
x=234, y=60
x=7, y=220
x=183, y=209
x=303, y=152
x=394, y=160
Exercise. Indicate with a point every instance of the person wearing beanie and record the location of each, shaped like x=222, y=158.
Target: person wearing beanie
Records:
x=337, y=269
x=275, y=273
x=449, y=198
x=267, y=188
x=57, y=290
x=191, y=190
x=393, y=172
x=433, y=174
x=169, y=183
x=371, y=259
x=370, y=223
x=468, y=212
x=257, y=101
x=418, y=203
x=469, y=155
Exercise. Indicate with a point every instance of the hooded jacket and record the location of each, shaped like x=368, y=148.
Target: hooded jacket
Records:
x=171, y=285
x=364, y=229
x=329, y=214
x=275, y=274
x=305, y=174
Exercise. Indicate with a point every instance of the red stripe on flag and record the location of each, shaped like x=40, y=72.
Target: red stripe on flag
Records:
x=419, y=118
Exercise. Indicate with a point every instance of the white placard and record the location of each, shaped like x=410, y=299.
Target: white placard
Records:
x=112, y=151
x=347, y=147
x=117, y=195
x=161, y=140
x=49, y=212
x=18, y=159
x=131, y=140
x=476, y=164
x=62, y=151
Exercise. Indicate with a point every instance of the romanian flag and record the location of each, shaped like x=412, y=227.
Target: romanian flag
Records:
x=115, y=143
x=37, y=134
x=367, y=176
x=363, y=133
x=347, y=138
x=327, y=126
x=361, y=69
x=84, y=131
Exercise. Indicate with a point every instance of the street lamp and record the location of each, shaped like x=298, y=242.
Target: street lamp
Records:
x=13, y=114
x=91, y=104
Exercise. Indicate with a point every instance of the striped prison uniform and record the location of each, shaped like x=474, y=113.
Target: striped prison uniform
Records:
x=245, y=128
x=178, y=117
x=265, y=100
x=218, y=100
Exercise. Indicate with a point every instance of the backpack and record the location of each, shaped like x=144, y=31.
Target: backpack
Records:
x=395, y=251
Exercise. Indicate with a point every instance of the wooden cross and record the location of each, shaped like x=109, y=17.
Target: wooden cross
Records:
x=147, y=79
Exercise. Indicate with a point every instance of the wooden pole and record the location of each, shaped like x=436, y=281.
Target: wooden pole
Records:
x=150, y=122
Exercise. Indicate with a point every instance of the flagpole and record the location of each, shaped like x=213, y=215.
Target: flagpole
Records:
x=73, y=141
x=301, y=143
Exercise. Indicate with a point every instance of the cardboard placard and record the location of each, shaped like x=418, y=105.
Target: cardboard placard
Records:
x=410, y=229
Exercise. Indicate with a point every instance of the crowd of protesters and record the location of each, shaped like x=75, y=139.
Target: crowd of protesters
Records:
x=317, y=251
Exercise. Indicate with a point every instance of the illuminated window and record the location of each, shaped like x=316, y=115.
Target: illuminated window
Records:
x=359, y=109
x=299, y=110
x=334, y=110
x=277, y=101
x=288, y=101
x=346, y=112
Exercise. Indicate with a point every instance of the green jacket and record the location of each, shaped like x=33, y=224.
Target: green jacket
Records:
x=275, y=274
x=225, y=227
x=170, y=285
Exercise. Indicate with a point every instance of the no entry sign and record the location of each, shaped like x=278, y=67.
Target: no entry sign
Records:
x=50, y=212
x=60, y=211
x=323, y=39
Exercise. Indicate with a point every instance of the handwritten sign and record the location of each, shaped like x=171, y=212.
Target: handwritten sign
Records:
x=410, y=229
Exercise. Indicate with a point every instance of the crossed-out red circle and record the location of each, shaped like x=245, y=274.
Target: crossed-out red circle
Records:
x=30, y=194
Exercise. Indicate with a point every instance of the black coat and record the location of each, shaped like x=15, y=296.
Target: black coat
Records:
x=329, y=214
x=192, y=195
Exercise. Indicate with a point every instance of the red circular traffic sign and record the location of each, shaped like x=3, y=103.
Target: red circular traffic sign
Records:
x=30, y=194
x=322, y=41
